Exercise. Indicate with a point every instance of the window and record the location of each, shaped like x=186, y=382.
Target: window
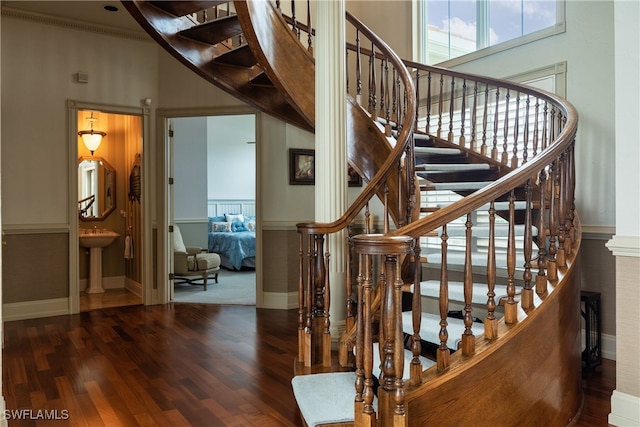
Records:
x=449, y=29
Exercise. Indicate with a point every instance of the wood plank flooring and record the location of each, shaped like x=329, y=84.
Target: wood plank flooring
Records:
x=174, y=365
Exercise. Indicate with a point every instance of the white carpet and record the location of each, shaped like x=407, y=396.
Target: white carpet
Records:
x=233, y=288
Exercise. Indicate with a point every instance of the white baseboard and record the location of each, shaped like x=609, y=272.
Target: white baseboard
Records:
x=111, y=282
x=35, y=309
x=609, y=346
x=279, y=300
x=625, y=410
x=133, y=287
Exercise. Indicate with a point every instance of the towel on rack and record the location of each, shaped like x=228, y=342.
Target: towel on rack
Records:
x=128, y=247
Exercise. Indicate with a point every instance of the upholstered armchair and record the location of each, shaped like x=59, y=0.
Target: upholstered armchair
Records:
x=193, y=263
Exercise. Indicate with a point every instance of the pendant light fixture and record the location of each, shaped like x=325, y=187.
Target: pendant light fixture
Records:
x=92, y=138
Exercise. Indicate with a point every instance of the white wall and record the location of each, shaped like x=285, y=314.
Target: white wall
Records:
x=39, y=62
x=587, y=47
x=231, y=153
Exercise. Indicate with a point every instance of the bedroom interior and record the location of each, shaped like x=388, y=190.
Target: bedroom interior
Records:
x=214, y=204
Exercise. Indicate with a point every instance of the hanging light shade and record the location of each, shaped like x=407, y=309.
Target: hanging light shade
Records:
x=92, y=138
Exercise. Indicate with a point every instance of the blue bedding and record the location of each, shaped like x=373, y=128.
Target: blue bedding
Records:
x=235, y=246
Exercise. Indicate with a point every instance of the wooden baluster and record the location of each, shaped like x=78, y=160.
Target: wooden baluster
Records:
x=527, y=291
x=525, y=147
x=359, y=383
x=309, y=294
x=442, y=355
x=427, y=128
x=374, y=100
x=516, y=130
x=541, y=278
x=399, y=411
x=451, y=107
x=417, y=84
x=570, y=201
x=440, y=101
x=369, y=415
x=505, y=132
x=474, y=118
x=326, y=336
x=278, y=5
x=394, y=97
x=383, y=80
x=301, y=305
x=545, y=131
x=386, y=392
x=309, y=29
x=387, y=110
x=494, y=149
x=294, y=20
x=320, y=302
x=345, y=356
x=561, y=260
x=416, y=317
x=510, y=309
x=468, y=344
x=358, y=70
x=485, y=121
x=490, y=322
x=553, y=224
x=536, y=127
x=463, y=112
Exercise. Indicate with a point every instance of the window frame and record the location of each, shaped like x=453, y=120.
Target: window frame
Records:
x=419, y=36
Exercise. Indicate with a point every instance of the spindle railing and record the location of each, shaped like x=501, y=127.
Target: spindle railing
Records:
x=526, y=135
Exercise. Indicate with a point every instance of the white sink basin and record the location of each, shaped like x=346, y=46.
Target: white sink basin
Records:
x=99, y=239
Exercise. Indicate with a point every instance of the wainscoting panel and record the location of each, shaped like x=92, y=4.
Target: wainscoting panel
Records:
x=35, y=266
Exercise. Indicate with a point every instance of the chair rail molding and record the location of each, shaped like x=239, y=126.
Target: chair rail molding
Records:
x=624, y=246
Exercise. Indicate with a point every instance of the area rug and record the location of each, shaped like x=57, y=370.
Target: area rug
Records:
x=233, y=288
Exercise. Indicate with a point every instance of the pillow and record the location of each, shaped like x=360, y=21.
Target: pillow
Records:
x=237, y=226
x=250, y=225
x=220, y=227
x=220, y=218
x=234, y=217
x=178, y=243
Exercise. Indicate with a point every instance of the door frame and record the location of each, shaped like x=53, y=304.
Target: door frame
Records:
x=165, y=165
x=145, y=247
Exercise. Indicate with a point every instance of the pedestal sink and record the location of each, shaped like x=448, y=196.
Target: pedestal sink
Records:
x=95, y=240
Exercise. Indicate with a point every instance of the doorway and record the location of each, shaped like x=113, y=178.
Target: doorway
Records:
x=107, y=180
x=212, y=167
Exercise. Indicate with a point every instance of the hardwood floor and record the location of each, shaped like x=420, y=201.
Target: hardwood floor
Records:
x=174, y=365
x=109, y=298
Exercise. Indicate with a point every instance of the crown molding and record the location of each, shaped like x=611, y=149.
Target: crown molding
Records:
x=74, y=24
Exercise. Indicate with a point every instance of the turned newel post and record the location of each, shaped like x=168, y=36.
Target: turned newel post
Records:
x=391, y=250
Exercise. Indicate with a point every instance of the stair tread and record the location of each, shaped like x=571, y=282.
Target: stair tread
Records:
x=408, y=356
x=430, y=328
x=326, y=398
x=478, y=259
x=482, y=230
x=182, y=8
x=431, y=289
x=472, y=185
x=451, y=167
x=213, y=32
x=240, y=57
x=437, y=150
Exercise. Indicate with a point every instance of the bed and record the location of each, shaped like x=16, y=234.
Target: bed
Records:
x=233, y=237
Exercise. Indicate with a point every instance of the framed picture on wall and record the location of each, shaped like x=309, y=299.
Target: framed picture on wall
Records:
x=355, y=180
x=302, y=167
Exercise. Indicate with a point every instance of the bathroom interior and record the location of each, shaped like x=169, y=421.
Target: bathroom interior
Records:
x=109, y=209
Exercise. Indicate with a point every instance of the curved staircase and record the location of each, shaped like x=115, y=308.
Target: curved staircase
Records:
x=466, y=305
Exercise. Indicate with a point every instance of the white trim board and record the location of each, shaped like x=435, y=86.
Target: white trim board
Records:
x=625, y=410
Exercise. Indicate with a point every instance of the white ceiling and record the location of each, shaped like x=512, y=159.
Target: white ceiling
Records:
x=91, y=11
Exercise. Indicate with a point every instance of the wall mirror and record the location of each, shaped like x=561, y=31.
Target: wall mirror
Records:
x=96, y=188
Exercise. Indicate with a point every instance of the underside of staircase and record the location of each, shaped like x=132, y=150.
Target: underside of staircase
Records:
x=466, y=305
